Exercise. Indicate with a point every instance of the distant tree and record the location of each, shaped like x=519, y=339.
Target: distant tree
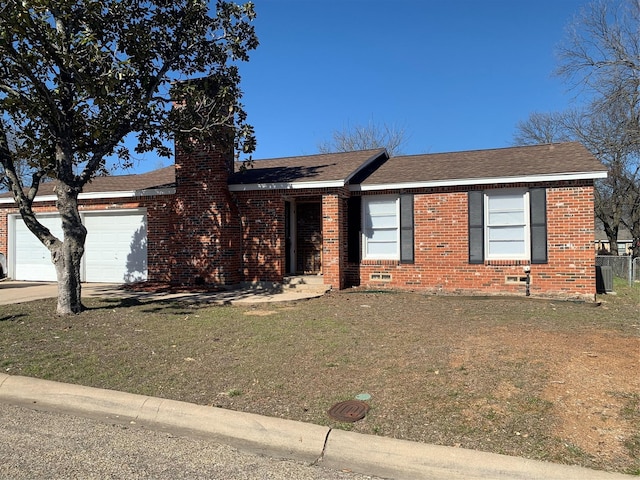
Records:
x=78, y=76
x=617, y=196
x=365, y=137
x=602, y=55
x=601, y=58
x=542, y=128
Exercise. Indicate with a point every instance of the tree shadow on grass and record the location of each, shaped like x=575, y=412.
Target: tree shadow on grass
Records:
x=8, y=318
x=152, y=306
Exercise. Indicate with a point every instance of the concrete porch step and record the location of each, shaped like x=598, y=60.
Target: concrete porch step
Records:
x=304, y=283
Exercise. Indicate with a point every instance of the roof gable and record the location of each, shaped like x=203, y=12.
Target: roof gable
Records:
x=330, y=169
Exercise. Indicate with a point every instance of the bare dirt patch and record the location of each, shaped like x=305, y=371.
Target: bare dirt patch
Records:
x=592, y=387
x=536, y=378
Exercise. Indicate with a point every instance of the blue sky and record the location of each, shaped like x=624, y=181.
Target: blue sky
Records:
x=454, y=74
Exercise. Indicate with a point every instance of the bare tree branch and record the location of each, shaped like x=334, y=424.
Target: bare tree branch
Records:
x=366, y=137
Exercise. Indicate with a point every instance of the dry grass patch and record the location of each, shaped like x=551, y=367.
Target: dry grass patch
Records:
x=536, y=378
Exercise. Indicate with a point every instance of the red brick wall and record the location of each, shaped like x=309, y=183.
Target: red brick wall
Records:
x=263, y=235
x=333, y=254
x=263, y=223
x=441, y=250
x=206, y=242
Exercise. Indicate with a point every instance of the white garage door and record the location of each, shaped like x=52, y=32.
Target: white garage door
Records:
x=115, y=249
x=32, y=260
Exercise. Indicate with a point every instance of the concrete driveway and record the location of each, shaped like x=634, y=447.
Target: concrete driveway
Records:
x=19, y=292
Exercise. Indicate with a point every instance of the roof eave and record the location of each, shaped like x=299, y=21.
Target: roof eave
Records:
x=146, y=192
x=555, y=177
x=240, y=187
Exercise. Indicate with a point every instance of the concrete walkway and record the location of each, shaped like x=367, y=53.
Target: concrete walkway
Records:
x=338, y=449
x=19, y=292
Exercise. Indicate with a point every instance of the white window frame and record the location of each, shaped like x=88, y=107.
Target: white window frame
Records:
x=525, y=225
x=367, y=229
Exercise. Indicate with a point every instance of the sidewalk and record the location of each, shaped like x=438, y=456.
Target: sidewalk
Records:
x=17, y=292
x=338, y=449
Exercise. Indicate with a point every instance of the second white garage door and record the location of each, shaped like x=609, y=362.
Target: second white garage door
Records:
x=116, y=247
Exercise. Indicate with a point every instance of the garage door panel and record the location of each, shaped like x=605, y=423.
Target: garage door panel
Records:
x=116, y=247
x=32, y=260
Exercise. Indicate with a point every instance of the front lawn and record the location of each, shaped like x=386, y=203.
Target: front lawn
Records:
x=543, y=379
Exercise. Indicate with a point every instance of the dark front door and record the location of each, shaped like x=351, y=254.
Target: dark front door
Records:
x=309, y=238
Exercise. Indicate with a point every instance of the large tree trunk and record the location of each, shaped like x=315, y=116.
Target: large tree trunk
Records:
x=613, y=243
x=67, y=256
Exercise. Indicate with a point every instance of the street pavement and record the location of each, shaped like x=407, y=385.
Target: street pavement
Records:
x=38, y=445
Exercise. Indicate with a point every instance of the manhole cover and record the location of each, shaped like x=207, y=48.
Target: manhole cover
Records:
x=349, y=411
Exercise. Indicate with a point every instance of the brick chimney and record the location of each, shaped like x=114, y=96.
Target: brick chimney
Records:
x=207, y=235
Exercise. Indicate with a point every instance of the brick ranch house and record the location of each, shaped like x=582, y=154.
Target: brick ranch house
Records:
x=470, y=222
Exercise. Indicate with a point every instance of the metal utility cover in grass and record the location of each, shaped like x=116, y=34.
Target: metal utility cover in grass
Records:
x=349, y=411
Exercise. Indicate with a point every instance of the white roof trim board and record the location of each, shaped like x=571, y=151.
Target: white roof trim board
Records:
x=240, y=187
x=556, y=177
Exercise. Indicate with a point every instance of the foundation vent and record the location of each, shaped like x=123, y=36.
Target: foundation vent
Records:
x=380, y=277
x=516, y=279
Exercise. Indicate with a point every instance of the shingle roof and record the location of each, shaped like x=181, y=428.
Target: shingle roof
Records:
x=504, y=163
x=310, y=168
x=161, y=178
x=624, y=235
x=550, y=159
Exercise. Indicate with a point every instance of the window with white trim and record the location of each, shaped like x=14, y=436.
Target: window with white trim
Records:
x=381, y=227
x=507, y=234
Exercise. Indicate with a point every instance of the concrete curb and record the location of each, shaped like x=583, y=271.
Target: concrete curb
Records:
x=367, y=454
x=388, y=457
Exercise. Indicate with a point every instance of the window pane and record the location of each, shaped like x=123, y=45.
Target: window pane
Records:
x=382, y=235
x=506, y=233
x=506, y=247
x=382, y=207
x=382, y=249
x=506, y=218
x=506, y=202
x=506, y=209
x=386, y=221
x=506, y=241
